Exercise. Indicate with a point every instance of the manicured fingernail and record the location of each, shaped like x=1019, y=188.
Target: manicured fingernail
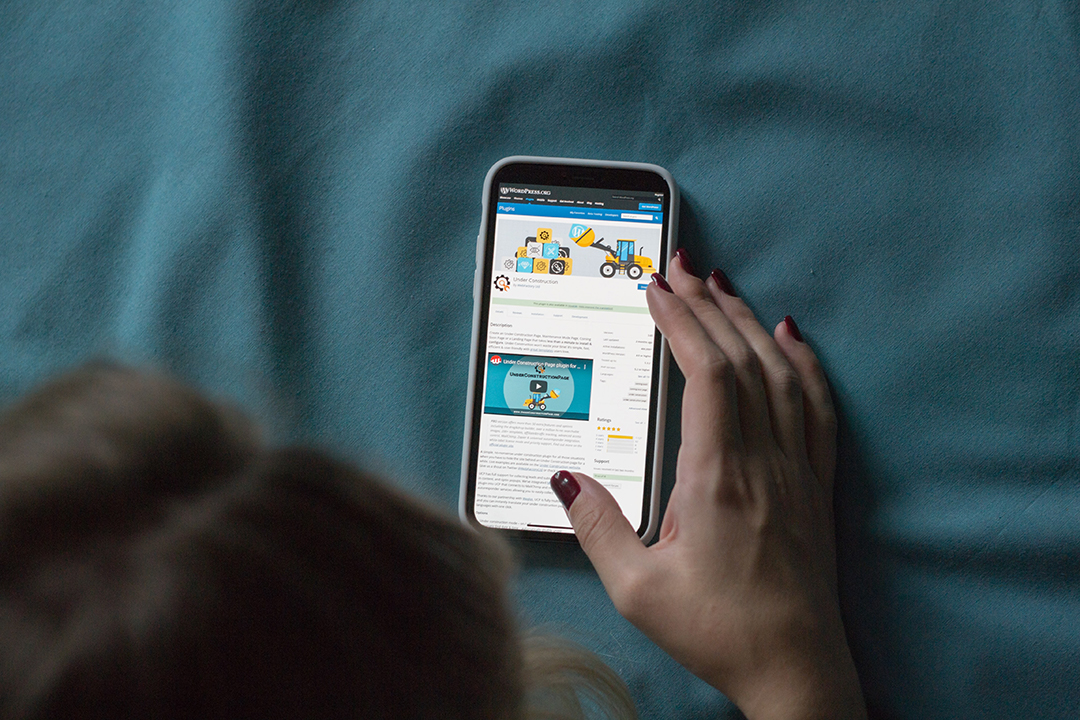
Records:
x=566, y=487
x=722, y=281
x=659, y=280
x=684, y=258
x=793, y=328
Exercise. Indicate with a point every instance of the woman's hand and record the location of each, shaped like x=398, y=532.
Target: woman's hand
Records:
x=741, y=586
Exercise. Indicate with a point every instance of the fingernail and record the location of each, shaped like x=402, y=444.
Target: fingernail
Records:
x=566, y=487
x=659, y=280
x=722, y=281
x=684, y=258
x=793, y=328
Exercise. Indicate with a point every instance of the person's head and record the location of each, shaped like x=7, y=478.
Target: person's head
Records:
x=158, y=560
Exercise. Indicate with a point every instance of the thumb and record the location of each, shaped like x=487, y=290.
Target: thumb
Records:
x=605, y=534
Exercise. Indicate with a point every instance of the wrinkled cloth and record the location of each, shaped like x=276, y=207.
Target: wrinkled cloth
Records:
x=279, y=202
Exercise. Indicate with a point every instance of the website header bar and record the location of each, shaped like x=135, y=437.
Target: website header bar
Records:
x=580, y=213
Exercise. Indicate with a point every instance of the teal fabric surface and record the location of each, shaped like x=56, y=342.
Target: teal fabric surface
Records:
x=279, y=201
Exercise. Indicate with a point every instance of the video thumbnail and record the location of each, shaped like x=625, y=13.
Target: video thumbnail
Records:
x=538, y=386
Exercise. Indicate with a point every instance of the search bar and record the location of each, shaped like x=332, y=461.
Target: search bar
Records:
x=636, y=216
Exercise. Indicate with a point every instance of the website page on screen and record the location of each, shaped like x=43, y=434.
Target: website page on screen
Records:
x=570, y=345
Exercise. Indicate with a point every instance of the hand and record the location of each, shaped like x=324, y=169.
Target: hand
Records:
x=741, y=586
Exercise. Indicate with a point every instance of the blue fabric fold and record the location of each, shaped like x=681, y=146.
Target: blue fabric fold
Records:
x=279, y=202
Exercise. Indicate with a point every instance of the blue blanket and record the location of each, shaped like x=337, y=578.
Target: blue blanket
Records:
x=279, y=201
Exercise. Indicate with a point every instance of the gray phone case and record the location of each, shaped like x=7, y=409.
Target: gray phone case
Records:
x=478, y=279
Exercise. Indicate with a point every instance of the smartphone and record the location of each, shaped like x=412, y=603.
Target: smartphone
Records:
x=567, y=369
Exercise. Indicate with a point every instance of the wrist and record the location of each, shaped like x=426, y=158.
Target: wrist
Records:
x=818, y=682
x=804, y=696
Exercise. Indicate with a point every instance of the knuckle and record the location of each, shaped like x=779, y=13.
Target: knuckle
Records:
x=592, y=525
x=788, y=383
x=821, y=401
x=814, y=371
x=744, y=359
x=629, y=596
x=700, y=302
x=717, y=367
x=827, y=418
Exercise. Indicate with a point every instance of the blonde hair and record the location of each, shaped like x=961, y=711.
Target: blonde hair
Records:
x=559, y=674
x=158, y=560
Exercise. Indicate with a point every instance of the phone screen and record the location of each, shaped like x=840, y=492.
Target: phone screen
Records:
x=568, y=370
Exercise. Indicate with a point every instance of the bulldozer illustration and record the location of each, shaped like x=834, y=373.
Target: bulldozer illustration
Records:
x=539, y=395
x=620, y=259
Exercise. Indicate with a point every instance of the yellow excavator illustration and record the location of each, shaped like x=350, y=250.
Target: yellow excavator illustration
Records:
x=620, y=259
x=539, y=399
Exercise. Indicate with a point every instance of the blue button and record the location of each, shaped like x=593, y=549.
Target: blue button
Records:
x=649, y=206
x=642, y=286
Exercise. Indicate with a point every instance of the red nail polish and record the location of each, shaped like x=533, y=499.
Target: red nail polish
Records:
x=793, y=328
x=684, y=258
x=659, y=280
x=566, y=487
x=722, y=281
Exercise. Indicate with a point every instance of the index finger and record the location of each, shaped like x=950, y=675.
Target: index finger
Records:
x=710, y=425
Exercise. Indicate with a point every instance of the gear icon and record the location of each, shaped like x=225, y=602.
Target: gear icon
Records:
x=502, y=283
